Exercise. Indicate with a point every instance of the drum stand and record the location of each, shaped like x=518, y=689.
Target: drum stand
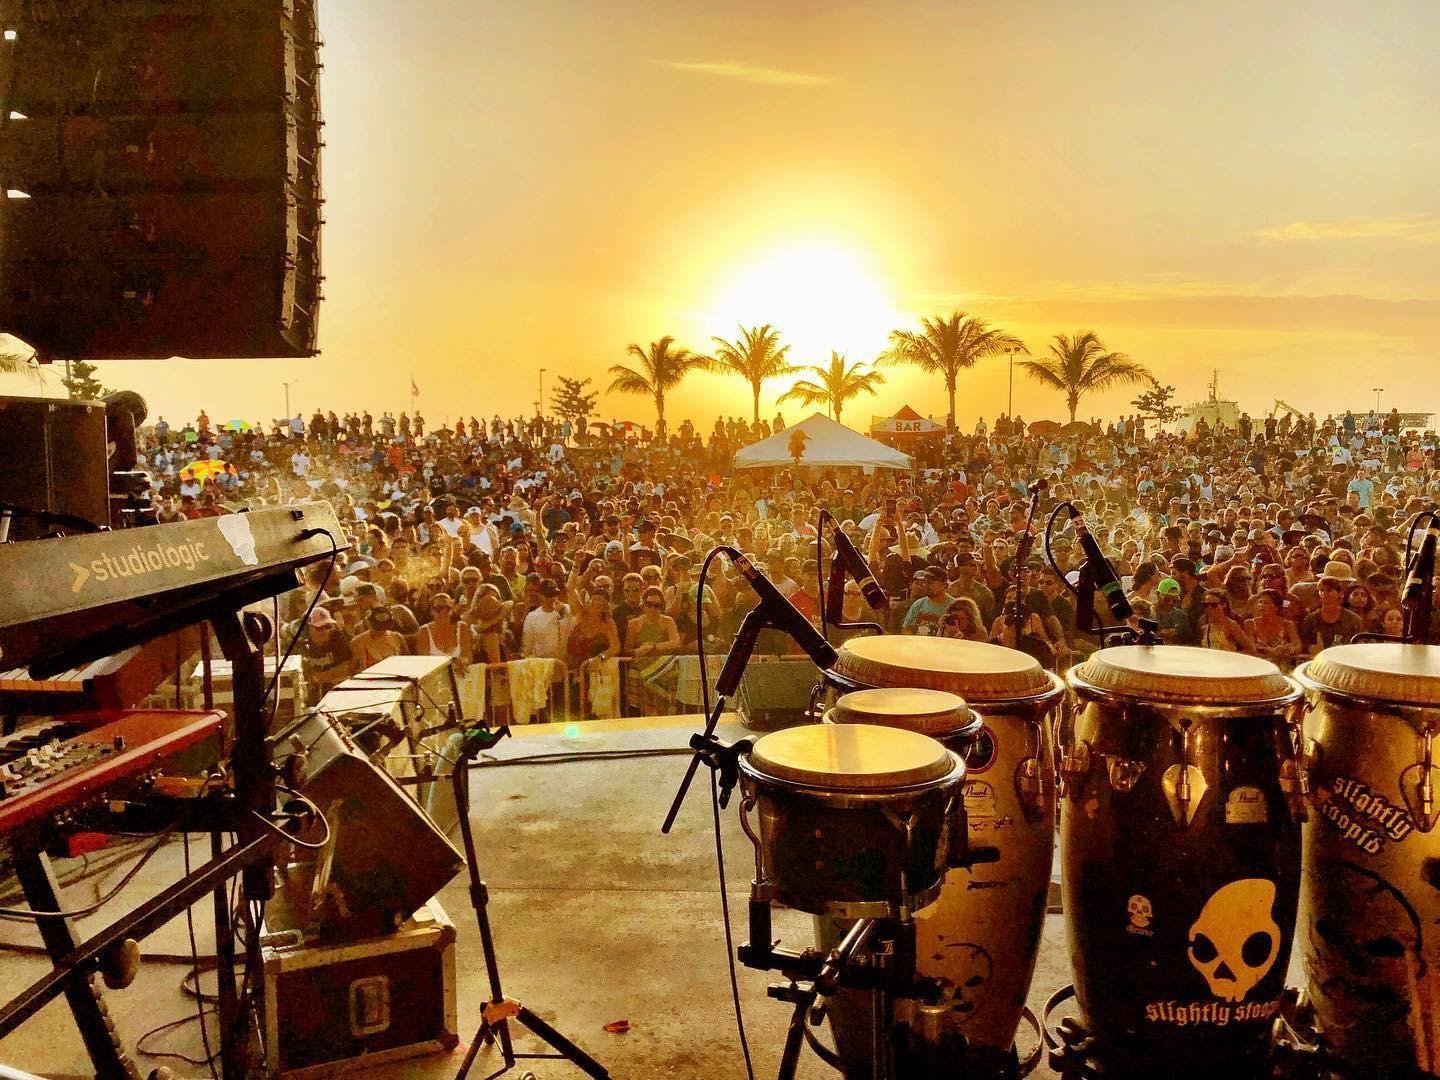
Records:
x=497, y=1013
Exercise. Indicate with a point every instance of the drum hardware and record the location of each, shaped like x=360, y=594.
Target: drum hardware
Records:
x=1123, y=773
x=1184, y=784
x=1075, y=764
x=1417, y=784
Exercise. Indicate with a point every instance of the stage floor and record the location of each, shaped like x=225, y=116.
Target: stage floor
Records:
x=597, y=918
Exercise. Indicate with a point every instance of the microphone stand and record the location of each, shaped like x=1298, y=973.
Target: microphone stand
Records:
x=1022, y=555
x=717, y=755
x=834, y=584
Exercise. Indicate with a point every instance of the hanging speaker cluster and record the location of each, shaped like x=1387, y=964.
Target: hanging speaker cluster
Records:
x=160, y=161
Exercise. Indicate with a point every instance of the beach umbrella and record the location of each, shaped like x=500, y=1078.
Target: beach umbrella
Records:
x=204, y=469
x=1076, y=427
x=1044, y=428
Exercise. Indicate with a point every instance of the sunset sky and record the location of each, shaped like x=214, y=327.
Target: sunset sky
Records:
x=1249, y=187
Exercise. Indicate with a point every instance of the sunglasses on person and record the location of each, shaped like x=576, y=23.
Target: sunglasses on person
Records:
x=655, y=604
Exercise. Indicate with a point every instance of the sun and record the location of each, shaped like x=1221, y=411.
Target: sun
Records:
x=821, y=297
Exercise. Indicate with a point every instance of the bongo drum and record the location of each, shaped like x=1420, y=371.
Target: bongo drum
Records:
x=1370, y=896
x=852, y=821
x=982, y=936
x=1180, y=847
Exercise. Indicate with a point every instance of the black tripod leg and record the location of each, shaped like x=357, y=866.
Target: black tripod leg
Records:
x=87, y=1005
x=577, y=1057
x=795, y=1036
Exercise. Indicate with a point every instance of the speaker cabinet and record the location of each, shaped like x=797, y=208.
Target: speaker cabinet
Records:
x=160, y=161
x=53, y=459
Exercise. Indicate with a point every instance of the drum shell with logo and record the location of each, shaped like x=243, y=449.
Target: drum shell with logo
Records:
x=1369, y=930
x=1180, y=853
x=982, y=935
x=828, y=848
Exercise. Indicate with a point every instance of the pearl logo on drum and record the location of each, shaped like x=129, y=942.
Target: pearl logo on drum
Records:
x=1235, y=941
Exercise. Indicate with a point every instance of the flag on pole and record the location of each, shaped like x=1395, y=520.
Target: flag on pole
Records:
x=414, y=390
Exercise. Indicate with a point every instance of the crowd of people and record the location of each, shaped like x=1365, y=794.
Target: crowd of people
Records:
x=486, y=541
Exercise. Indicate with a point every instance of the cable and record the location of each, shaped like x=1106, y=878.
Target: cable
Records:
x=715, y=813
x=274, y=686
x=26, y=915
x=195, y=954
x=729, y=934
x=291, y=838
x=176, y=1055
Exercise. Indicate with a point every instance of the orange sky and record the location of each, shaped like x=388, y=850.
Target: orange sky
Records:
x=516, y=186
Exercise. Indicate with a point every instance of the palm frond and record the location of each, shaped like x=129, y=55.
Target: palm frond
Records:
x=626, y=380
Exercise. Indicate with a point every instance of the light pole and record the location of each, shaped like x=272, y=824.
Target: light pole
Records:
x=287, y=385
x=1378, y=391
x=1011, y=351
x=540, y=397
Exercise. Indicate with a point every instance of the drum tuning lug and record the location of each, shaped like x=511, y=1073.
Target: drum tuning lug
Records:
x=1124, y=774
x=1420, y=787
x=1185, y=786
x=1295, y=786
x=1074, y=768
x=1033, y=786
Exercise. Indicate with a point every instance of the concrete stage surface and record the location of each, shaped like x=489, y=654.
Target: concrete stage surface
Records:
x=597, y=918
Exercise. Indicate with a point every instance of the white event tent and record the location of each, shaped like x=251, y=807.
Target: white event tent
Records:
x=829, y=446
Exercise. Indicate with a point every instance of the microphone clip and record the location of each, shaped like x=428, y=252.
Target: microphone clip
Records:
x=723, y=759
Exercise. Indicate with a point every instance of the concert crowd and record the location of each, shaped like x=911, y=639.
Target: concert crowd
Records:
x=487, y=541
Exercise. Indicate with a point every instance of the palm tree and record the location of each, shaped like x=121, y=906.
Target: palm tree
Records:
x=945, y=345
x=662, y=366
x=1080, y=365
x=756, y=355
x=17, y=357
x=835, y=383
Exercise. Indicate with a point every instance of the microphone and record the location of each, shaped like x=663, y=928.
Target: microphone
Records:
x=781, y=614
x=1101, y=570
x=1035, y=487
x=848, y=556
x=1418, y=597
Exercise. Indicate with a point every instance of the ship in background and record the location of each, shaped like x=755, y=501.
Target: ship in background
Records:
x=1215, y=410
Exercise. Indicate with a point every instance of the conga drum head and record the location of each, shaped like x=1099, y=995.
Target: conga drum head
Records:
x=1179, y=674
x=975, y=670
x=851, y=757
x=930, y=712
x=1379, y=671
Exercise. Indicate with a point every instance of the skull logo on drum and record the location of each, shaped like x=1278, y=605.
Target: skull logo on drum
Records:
x=1141, y=912
x=1235, y=941
x=968, y=968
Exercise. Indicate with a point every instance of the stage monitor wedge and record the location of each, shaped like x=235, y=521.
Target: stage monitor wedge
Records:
x=160, y=169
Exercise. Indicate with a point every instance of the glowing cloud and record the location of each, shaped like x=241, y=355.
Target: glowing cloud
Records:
x=1417, y=228
x=738, y=69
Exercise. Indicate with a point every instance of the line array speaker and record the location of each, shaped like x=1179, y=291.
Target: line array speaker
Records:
x=160, y=161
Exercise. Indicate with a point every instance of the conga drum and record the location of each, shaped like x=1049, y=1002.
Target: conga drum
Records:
x=1180, y=849
x=1370, y=897
x=982, y=936
x=852, y=821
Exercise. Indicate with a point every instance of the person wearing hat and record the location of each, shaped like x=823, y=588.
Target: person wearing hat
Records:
x=325, y=651
x=379, y=639
x=1170, y=618
x=645, y=551
x=542, y=633
x=1331, y=623
x=925, y=614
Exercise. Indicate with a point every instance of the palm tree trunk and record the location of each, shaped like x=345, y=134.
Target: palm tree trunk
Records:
x=756, y=388
x=837, y=412
x=1073, y=399
x=660, y=414
x=950, y=387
